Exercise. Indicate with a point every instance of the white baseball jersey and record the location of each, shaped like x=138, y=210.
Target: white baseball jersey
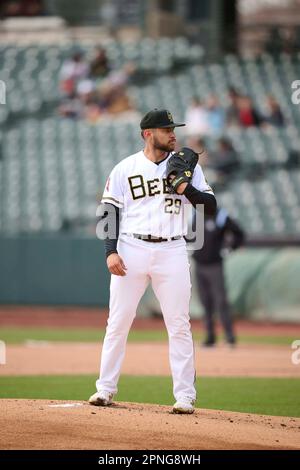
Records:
x=138, y=187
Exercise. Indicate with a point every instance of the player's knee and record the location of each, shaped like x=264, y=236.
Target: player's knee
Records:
x=179, y=328
x=118, y=327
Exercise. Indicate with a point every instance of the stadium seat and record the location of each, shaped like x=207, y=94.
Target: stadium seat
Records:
x=52, y=168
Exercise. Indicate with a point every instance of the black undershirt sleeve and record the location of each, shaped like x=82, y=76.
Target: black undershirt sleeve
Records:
x=198, y=197
x=111, y=216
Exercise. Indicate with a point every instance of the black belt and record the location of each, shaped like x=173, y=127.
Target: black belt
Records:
x=150, y=238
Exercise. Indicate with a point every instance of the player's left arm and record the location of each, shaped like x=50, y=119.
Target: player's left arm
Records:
x=111, y=204
x=199, y=192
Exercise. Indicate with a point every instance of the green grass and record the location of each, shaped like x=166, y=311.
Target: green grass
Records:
x=249, y=395
x=267, y=339
x=20, y=335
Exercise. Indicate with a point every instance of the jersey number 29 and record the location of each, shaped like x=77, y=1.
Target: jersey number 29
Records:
x=172, y=205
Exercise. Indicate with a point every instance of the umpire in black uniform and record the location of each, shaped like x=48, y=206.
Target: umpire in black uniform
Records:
x=220, y=231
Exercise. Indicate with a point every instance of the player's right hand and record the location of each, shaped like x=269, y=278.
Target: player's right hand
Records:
x=116, y=265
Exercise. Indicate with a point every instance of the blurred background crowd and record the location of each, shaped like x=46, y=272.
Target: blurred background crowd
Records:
x=79, y=78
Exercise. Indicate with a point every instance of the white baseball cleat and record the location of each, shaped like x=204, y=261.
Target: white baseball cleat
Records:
x=184, y=405
x=101, y=398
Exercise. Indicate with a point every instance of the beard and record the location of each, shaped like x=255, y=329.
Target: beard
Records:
x=163, y=147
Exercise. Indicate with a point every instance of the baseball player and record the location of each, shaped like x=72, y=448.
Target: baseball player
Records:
x=144, y=200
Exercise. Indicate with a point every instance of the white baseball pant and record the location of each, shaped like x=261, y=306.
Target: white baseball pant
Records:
x=166, y=265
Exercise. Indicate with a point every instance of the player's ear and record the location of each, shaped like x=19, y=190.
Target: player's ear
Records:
x=146, y=133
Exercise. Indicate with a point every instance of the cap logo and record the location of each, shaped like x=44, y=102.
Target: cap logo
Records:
x=170, y=117
x=188, y=173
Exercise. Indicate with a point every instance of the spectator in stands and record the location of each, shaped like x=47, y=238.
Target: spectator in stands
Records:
x=71, y=107
x=274, y=117
x=248, y=116
x=72, y=72
x=85, y=87
x=85, y=98
x=232, y=111
x=215, y=117
x=221, y=233
x=223, y=160
x=99, y=67
x=112, y=91
x=196, y=119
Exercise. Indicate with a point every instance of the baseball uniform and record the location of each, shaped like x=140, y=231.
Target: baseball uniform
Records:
x=151, y=243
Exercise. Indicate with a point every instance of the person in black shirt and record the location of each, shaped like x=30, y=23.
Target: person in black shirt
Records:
x=220, y=231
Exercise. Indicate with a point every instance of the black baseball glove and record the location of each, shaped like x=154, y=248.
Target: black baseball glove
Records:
x=181, y=165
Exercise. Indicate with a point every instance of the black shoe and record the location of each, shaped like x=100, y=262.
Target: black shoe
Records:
x=208, y=343
x=231, y=342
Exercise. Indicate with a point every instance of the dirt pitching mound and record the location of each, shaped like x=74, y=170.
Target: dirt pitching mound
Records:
x=44, y=424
